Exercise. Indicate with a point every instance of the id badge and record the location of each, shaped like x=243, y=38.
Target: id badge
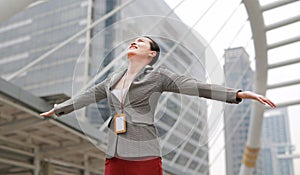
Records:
x=120, y=123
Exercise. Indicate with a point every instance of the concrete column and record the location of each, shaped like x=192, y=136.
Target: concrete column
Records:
x=47, y=168
x=260, y=43
x=88, y=41
x=37, y=162
x=86, y=165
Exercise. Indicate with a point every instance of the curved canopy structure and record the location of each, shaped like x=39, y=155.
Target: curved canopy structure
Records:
x=263, y=48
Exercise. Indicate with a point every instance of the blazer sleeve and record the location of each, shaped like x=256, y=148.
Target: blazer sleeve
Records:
x=91, y=95
x=182, y=84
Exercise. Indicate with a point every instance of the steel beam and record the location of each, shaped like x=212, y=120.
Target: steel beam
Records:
x=97, y=156
x=12, y=93
x=72, y=165
x=283, y=23
x=284, y=63
x=290, y=103
x=289, y=156
x=19, y=125
x=19, y=143
x=18, y=151
x=284, y=84
x=20, y=107
x=60, y=172
x=63, y=163
x=9, y=8
x=60, y=134
x=60, y=125
x=17, y=163
x=39, y=138
x=283, y=42
x=67, y=41
x=276, y=4
x=62, y=151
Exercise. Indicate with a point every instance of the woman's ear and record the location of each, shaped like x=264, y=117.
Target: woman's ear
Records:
x=152, y=54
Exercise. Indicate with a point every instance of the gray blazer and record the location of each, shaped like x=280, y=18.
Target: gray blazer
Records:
x=141, y=138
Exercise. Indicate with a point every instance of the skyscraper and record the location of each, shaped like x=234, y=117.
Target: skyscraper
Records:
x=35, y=31
x=276, y=143
x=238, y=74
x=275, y=140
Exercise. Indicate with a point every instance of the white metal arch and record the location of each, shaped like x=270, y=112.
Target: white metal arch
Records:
x=260, y=45
x=255, y=14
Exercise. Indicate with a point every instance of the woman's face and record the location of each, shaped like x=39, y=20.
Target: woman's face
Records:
x=139, y=47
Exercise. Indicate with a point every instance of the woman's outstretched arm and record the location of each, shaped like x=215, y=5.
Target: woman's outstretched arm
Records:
x=91, y=95
x=173, y=82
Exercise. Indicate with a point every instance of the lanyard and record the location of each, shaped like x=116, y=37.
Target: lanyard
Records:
x=122, y=95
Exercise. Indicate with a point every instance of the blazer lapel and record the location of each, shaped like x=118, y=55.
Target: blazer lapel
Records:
x=115, y=78
x=139, y=76
x=143, y=72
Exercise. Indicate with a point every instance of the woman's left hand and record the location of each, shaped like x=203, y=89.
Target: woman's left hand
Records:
x=251, y=95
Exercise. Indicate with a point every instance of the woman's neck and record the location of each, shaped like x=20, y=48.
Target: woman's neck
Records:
x=135, y=67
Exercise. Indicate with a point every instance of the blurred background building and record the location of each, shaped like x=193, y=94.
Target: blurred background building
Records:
x=276, y=143
x=238, y=74
x=181, y=120
x=274, y=157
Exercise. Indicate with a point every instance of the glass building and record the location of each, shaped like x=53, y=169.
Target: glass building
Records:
x=239, y=75
x=275, y=134
x=276, y=143
x=97, y=52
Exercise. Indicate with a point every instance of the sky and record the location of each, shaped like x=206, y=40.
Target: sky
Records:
x=226, y=25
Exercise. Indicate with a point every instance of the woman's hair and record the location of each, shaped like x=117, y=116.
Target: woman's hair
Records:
x=154, y=47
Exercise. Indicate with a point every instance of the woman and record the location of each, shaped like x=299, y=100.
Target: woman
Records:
x=133, y=144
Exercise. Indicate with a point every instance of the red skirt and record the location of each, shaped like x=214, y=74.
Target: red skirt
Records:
x=115, y=166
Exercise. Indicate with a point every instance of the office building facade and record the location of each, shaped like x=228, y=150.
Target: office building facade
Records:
x=274, y=157
x=239, y=75
x=276, y=144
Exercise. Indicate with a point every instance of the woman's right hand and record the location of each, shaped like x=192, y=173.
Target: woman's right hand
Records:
x=49, y=113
